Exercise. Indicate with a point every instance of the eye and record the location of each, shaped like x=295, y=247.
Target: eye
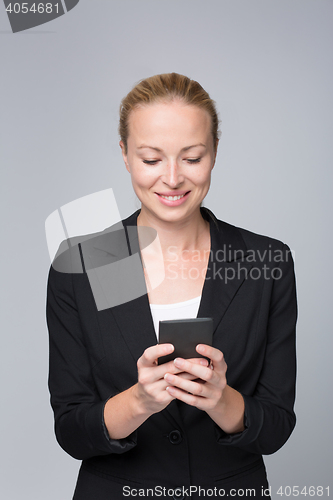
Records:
x=150, y=162
x=193, y=160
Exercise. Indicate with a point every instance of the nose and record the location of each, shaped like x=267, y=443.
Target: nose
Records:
x=173, y=175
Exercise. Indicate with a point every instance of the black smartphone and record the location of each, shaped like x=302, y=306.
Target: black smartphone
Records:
x=185, y=335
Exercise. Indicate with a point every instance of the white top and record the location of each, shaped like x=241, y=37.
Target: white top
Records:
x=181, y=310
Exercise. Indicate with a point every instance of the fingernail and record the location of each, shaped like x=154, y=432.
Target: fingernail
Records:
x=178, y=362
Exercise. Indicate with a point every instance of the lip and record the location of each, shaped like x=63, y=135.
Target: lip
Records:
x=173, y=203
x=172, y=193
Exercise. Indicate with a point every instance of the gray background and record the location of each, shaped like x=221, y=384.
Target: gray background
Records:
x=268, y=65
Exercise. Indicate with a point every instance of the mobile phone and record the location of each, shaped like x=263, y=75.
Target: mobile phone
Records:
x=185, y=335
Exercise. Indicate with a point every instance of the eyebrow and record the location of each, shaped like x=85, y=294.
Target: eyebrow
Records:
x=143, y=146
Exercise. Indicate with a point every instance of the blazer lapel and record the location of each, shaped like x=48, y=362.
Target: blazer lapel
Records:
x=227, y=269
x=133, y=316
x=223, y=279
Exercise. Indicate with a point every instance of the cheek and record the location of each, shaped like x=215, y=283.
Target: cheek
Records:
x=143, y=178
x=202, y=178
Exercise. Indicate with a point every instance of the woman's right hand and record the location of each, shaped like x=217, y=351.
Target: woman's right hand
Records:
x=126, y=411
x=151, y=387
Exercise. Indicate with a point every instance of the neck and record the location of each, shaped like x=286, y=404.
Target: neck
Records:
x=191, y=233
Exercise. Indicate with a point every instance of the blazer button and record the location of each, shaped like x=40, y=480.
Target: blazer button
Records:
x=175, y=437
x=178, y=494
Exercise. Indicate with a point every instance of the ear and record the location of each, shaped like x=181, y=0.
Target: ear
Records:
x=122, y=145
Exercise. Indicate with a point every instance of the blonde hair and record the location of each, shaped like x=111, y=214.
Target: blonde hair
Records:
x=166, y=87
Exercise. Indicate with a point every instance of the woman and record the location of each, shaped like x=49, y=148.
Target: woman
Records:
x=186, y=427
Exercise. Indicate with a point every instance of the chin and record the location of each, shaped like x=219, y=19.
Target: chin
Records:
x=173, y=215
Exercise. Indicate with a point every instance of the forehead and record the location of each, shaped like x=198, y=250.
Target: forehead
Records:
x=173, y=120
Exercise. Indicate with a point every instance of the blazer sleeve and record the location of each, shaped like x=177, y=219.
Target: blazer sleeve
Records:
x=269, y=415
x=78, y=410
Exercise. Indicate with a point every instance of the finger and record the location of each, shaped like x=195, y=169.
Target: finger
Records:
x=170, y=367
x=202, y=372
x=215, y=355
x=157, y=398
x=199, y=361
x=157, y=390
x=193, y=387
x=150, y=374
x=151, y=354
x=186, y=397
x=189, y=376
x=157, y=372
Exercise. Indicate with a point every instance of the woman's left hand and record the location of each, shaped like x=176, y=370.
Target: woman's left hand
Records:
x=207, y=393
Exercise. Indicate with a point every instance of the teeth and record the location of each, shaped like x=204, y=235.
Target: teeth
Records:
x=172, y=198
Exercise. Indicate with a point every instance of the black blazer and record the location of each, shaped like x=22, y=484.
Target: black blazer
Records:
x=249, y=292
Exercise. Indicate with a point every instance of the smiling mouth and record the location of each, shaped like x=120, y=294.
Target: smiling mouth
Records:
x=173, y=198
